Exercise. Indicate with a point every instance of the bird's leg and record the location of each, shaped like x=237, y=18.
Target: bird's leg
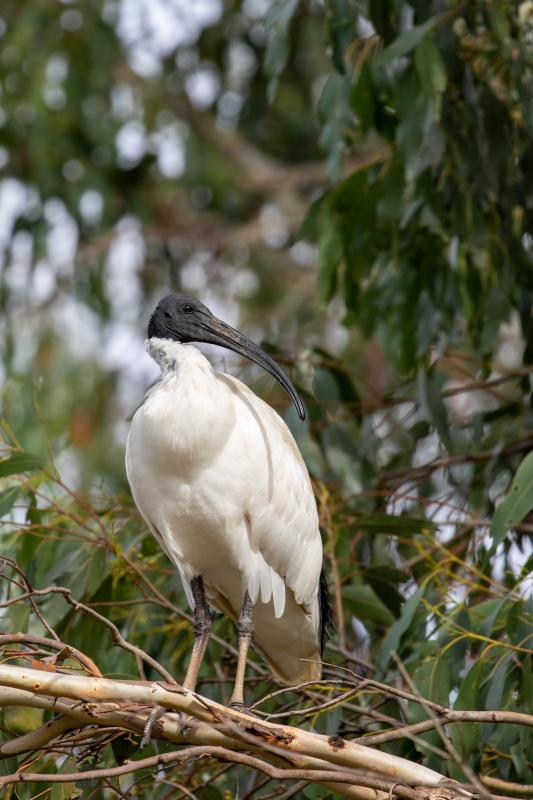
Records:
x=245, y=628
x=202, y=628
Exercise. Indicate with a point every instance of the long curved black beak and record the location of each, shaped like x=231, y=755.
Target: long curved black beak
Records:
x=217, y=332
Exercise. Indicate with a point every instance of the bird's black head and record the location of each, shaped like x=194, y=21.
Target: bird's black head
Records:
x=178, y=317
x=185, y=319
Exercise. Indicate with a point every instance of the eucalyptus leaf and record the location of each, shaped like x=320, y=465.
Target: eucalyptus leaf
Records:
x=393, y=638
x=430, y=384
x=20, y=462
x=517, y=502
x=8, y=498
x=465, y=736
x=278, y=43
x=430, y=67
x=366, y=605
x=404, y=43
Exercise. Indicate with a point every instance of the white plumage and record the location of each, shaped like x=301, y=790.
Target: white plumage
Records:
x=217, y=476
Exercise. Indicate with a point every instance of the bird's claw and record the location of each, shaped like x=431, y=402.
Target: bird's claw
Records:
x=153, y=717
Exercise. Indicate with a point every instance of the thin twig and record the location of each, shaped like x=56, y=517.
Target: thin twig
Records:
x=439, y=726
x=64, y=650
x=117, y=637
x=27, y=585
x=222, y=754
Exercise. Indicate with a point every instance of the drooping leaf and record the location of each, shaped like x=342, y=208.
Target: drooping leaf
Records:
x=517, y=502
x=336, y=381
x=384, y=581
x=366, y=605
x=430, y=384
x=362, y=98
x=20, y=462
x=495, y=690
x=465, y=736
x=8, y=499
x=404, y=43
x=336, y=114
x=340, y=27
x=329, y=257
x=392, y=639
x=278, y=43
x=430, y=67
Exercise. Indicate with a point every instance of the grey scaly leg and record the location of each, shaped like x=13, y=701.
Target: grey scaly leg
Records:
x=202, y=629
x=245, y=628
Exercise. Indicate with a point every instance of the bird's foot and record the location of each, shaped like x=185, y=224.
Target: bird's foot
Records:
x=151, y=722
x=242, y=709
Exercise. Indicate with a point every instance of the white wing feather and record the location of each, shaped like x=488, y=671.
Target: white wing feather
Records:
x=279, y=505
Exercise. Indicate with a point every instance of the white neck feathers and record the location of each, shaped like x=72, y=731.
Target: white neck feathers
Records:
x=174, y=357
x=189, y=414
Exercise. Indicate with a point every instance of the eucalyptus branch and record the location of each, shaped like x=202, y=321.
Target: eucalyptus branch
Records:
x=83, y=701
x=292, y=741
x=447, y=717
x=222, y=754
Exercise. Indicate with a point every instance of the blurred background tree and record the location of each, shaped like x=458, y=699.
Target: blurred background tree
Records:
x=352, y=181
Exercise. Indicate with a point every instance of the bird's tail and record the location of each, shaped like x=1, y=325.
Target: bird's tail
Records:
x=326, y=612
x=297, y=655
x=293, y=643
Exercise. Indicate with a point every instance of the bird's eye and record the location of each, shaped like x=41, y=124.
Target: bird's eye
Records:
x=187, y=308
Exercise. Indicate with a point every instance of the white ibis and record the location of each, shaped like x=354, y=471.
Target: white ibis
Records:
x=217, y=476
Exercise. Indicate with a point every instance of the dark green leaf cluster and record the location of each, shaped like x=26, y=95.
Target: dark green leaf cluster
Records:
x=430, y=238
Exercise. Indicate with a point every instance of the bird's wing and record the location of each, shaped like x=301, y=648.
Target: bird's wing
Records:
x=280, y=509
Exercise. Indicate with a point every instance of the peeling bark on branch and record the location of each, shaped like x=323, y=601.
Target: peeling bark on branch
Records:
x=297, y=754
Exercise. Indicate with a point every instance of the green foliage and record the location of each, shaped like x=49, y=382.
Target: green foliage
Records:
x=20, y=462
x=440, y=224
x=517, y=503
x=277, y=51
x=419, y=404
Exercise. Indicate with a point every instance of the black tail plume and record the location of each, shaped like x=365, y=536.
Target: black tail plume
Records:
x=326, y=612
